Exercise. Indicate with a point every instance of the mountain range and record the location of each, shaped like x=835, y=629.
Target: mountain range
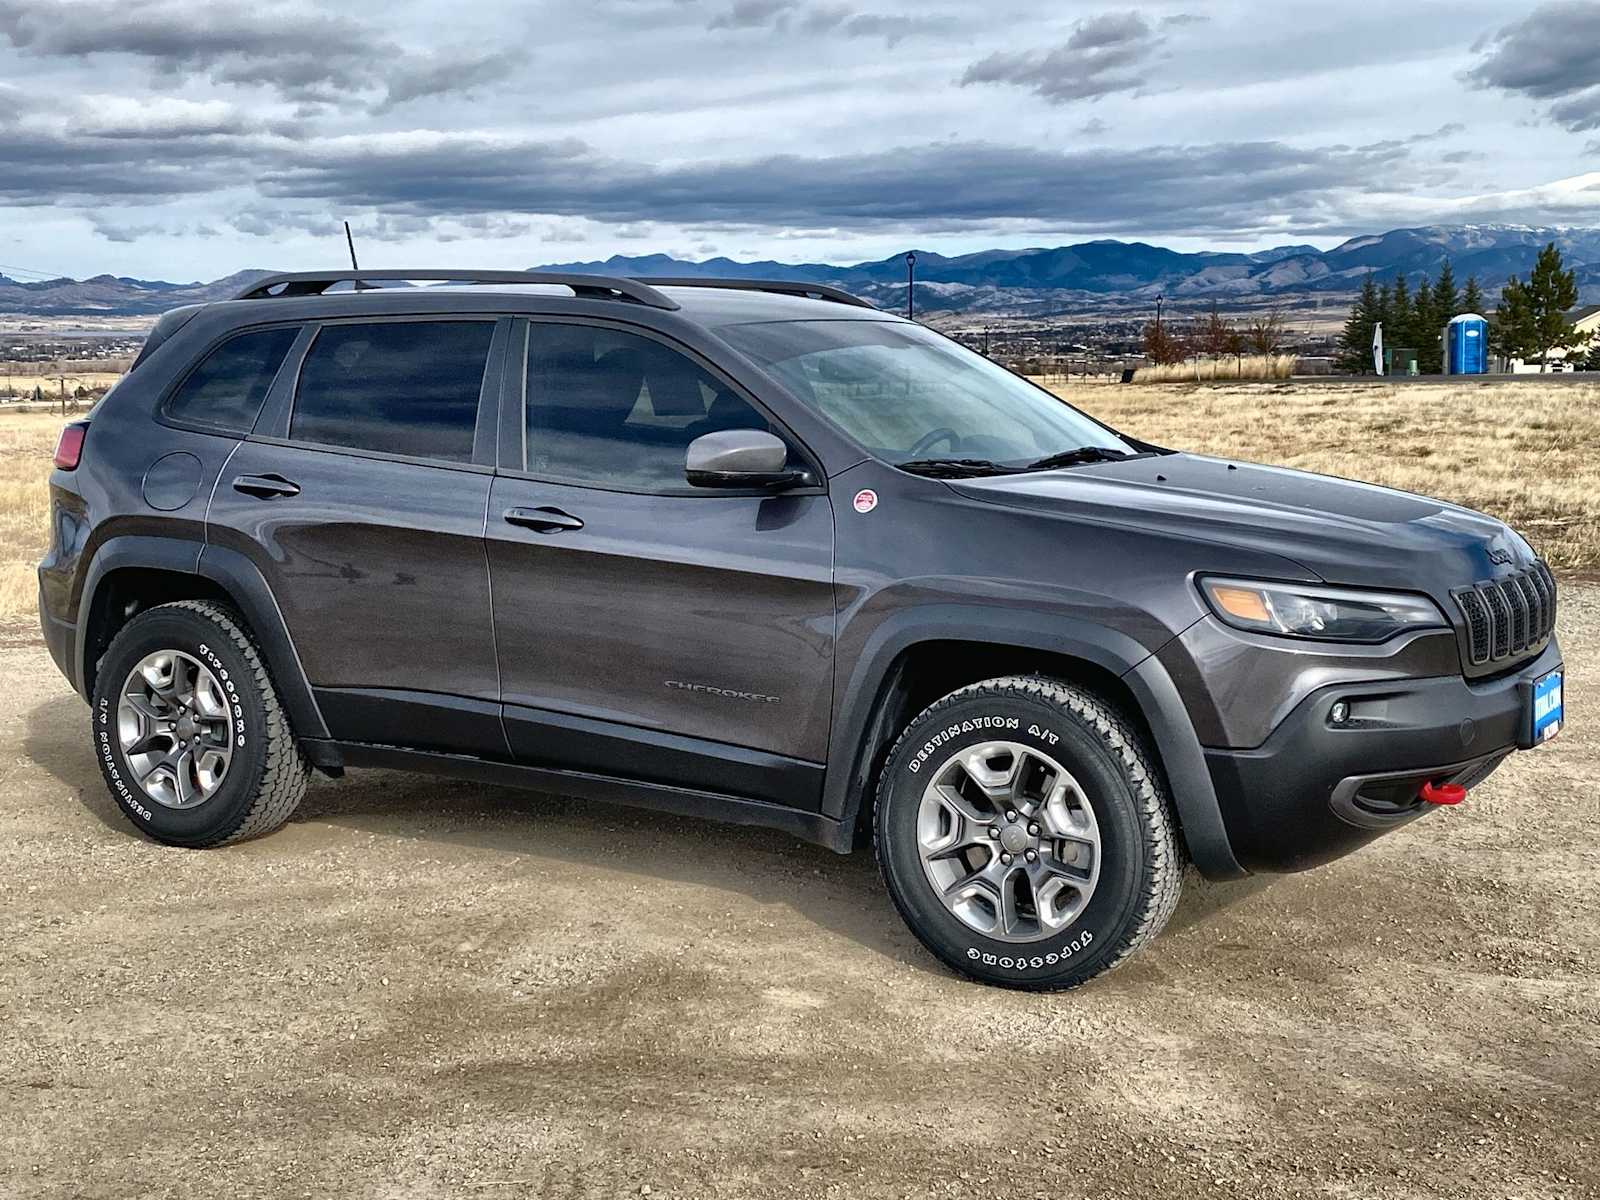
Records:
x=1090, y=275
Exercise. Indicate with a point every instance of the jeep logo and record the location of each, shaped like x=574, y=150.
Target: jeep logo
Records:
x=1499, y=555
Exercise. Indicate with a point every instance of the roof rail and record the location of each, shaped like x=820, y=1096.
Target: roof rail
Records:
x=819, y=291
x=594, y=287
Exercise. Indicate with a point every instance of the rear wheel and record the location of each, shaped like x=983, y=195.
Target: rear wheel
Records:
x=188, y=730
x=1025, y=834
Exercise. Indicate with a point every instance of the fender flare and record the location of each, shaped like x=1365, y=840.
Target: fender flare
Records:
x=246, y=587
x=874, y=678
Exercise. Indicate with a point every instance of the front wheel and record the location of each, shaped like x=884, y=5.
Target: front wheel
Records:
x=188, y=730
x=1025, y=835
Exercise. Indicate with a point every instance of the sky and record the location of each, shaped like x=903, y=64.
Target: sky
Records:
x=178, y=139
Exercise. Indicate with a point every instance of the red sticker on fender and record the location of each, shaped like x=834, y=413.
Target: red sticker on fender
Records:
x=866, y=500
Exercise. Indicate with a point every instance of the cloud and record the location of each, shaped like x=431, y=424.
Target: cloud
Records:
x=925, y=187
x=1177, y=19
x=305, y=55
x=1097, y=60
x=804, y=17
x=1553, y=54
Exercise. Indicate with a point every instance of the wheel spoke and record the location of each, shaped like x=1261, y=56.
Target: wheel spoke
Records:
x=997, y=782
x=208, y=699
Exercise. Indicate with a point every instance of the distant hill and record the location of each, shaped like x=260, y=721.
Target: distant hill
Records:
x=1099, y=274
x=1134, y=271
x=114, y=295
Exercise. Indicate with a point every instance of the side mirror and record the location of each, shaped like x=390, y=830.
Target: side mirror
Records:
x=741, y=458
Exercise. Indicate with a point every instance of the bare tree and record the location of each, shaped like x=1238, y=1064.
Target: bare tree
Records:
x=1267, y=332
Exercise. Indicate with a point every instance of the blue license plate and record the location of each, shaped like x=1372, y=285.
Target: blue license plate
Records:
x=1548, y=710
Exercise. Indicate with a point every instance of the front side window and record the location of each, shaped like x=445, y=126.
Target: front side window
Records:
x=402, y=387
x=905, y=393
x=618, y=410
x=226, y=391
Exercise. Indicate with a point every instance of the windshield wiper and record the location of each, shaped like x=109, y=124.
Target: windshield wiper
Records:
x=1073, y=458
x=956, y=468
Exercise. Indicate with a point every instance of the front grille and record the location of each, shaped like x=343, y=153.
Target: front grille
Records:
x=1509, y=617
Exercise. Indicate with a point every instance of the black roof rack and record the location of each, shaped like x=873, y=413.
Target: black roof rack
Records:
x=783, y=287
x=596, y=287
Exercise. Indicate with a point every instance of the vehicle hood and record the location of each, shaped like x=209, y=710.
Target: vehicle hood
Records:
x=1342, y=531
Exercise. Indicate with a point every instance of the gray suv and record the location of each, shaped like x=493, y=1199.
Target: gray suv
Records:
x=761, y=552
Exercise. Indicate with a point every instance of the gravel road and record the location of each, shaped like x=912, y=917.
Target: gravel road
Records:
x=427, y=989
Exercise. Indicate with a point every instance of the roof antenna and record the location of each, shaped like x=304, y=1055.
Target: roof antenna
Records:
x=351, y=242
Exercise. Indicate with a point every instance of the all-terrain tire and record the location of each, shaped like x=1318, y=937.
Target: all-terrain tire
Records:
x=1141, y=859
x=267, y=776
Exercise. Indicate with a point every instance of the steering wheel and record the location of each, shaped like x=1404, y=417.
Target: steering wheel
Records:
x=931, y=439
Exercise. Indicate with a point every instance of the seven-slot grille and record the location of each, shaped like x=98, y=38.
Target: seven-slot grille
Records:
x=1509, y=616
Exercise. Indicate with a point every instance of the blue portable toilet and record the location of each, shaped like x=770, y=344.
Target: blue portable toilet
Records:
x=1466, y=345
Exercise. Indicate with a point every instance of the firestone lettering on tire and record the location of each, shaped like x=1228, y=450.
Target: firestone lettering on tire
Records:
x=973, y=725
x=1036, y=962
x=103, y=737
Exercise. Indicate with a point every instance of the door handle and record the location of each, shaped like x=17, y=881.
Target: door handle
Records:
x=266, y=487
x=543, y=520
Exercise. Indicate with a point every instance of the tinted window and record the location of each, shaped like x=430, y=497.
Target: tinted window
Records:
x=229, y=386
x=410, y=387
x=620, y=410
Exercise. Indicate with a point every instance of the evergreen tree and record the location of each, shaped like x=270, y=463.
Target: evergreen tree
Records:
x=1512, y=332
x=1355, y=342
x=1425, y=329
x=1402, y=318
x=1446, y=302
x=1552, y=294
x=1472, y=298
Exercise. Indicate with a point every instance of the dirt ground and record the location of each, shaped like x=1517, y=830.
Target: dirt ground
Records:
x=427, y=989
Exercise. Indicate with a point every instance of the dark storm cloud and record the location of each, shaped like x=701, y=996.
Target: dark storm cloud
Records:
x=304, y=55
x=1553, y=54
x=1097, y=60
x=42, y=168
x=948, y=185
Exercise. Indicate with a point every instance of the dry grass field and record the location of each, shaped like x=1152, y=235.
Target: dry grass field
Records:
x=27, y=441
x=1528, y=453
x=50, y=385
x=1214, y=370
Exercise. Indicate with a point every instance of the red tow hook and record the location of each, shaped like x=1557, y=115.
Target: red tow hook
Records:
x=1442, y=793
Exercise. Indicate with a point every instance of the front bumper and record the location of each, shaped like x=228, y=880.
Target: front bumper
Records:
x=1313, y=791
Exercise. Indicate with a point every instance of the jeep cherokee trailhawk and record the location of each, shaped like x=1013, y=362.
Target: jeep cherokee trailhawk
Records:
x=761, y=552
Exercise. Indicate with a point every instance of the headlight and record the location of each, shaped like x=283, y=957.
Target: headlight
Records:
x=1324, y=613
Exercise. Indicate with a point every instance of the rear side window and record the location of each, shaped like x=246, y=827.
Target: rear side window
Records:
x=226, y=391
x=407, y=387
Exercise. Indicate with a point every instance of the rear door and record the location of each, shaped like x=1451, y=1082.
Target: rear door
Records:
x=646, y=628
x=360, y=496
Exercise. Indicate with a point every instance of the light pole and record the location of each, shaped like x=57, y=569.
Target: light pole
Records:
x=911, y=283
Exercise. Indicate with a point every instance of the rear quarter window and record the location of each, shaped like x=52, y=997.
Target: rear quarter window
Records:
x=226, y=390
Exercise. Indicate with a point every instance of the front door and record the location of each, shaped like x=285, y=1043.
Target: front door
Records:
x=359, y=499
x=648, y=629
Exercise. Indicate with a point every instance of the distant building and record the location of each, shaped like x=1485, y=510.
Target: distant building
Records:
x=1586, y=321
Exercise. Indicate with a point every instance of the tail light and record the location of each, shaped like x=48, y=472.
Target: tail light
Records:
x=70, y=448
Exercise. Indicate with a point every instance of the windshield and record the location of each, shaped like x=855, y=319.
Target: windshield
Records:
x=907, y=394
